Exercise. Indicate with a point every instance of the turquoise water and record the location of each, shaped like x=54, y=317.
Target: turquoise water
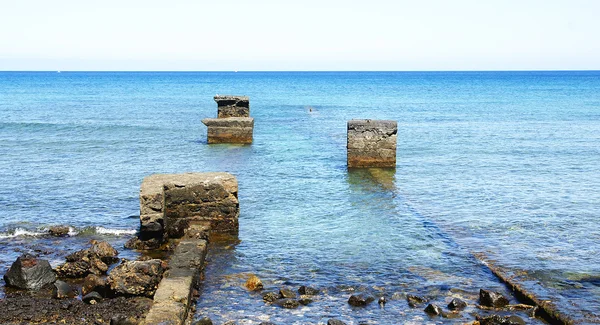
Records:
x=504, y=163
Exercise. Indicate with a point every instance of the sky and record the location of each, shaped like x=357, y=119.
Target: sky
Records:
x=291, y=35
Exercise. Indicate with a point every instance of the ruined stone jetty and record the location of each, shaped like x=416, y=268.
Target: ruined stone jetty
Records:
x=233, y=123
x=185, y=208
x=372, y=143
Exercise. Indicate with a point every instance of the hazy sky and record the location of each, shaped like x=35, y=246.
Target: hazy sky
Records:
x=299, y=35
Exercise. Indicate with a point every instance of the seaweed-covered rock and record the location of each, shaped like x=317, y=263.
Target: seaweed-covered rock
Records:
x=136, y=278
x=270, y=296
x=287, y=303
x=30, y=273
x=59, y=231
x=434, y=310
x=492, y=299
x=416, y=301
x=333, y=321
x=287, y=293
x=203, y=321
x=360, y=300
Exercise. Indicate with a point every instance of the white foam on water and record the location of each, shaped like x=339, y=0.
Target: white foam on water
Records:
x=18, y=232
x=118, y=232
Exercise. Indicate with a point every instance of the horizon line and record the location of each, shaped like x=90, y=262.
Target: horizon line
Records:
x=275, y=71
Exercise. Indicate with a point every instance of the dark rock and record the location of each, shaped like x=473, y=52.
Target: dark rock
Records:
x=203, y=321
x=305, y=300
x=136, y=278
x=382, y=301
x=287, y=303
x=96, y=283
x=457, y=304
x=231, y=322
x=416, y=301
x=122, y=320
x=59, y=231
x=93, y=260
x=92, y=298
x=492, y=299
x=287, y=293
x=29, y=273
x=333, y=321
x=270, y=296
x=360, y=300
x=62, y=290
x=499, y=320
x=434, y=310
x=309, y=291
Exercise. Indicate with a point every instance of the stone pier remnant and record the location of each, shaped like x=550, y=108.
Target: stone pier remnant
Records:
x=372, y=143
x=170, y=203
x=233, y=123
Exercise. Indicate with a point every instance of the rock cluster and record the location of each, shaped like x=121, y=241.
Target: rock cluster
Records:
x=93, y=260
x=136, y=278
x=372, y=143
x=234, y=124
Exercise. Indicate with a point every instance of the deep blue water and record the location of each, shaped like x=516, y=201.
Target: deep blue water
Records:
x=501, y=163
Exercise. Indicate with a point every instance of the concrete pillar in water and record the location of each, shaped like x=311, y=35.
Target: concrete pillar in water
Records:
x=372, y=143
x=169, y=203
x=233, y=123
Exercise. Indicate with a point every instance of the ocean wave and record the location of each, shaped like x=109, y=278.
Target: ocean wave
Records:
x=22, y=232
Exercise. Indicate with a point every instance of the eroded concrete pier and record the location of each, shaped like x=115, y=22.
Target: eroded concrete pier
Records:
x=233, y=123
x=372, y=143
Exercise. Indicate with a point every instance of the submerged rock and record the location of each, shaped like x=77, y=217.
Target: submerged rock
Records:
x=93, y=260
x=416, y=301
x=59, y=231
x=499, y=320
x=333, y=321
x=492, y=299
x=270, y=296
x=305, y=300
x=360, y=300
x=139, y=244
x=254, y=283
x=136, y=278
x=63, y=290
x=457, y=304
x=309, y=291
x=287, y=303
x=29, y=273
x=203, y=321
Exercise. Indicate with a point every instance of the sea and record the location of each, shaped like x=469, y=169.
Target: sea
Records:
x=492, y=167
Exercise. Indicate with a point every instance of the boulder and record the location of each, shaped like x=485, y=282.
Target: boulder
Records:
x=95, y=283
x=63, y=290
x=309, y=291
x=136, y=278
x=59, y=231
x=434, y=310
x=305, y=300
x=416, y=301
x=92, y=298
x=492, y=299
x=360, y=300
x=93, y=260
x=270, y=296
x=203, y=321
x=287, y=303
x=29, y=273
x=457, y=304
x=287, y=293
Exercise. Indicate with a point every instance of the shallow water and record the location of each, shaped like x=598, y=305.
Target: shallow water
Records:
x=498, y=162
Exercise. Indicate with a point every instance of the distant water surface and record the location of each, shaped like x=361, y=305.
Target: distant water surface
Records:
x=501, y=163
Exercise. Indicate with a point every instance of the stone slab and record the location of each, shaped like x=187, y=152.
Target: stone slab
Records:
x=372, y=143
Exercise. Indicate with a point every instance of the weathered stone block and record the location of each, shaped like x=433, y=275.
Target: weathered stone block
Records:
x=175, y=201
x=372, y=143
x=233, y=106
x=230, y=130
